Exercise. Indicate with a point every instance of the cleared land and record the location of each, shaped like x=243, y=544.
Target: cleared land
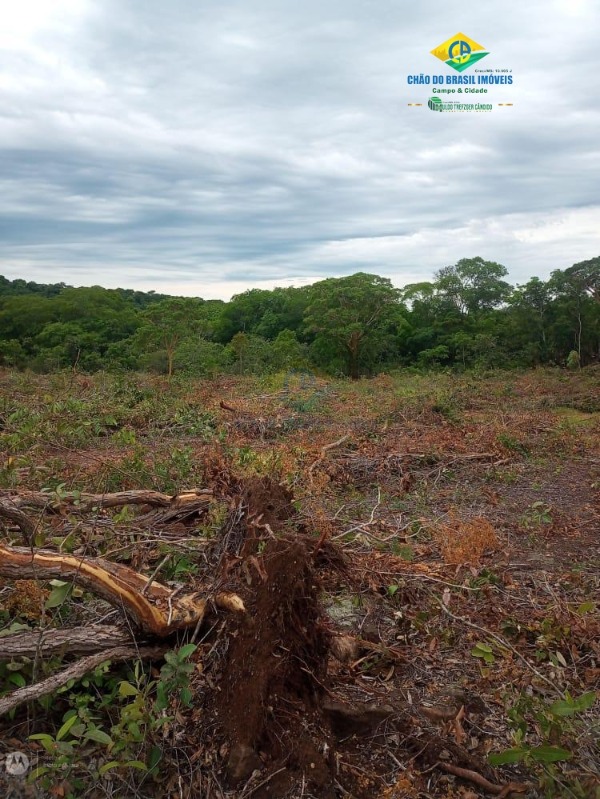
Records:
x=418, y=558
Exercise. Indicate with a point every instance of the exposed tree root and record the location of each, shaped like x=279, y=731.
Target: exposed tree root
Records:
x=501, y=791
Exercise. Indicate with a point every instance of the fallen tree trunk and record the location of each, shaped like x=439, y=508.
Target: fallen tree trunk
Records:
x=155, y=609
x=152, y=606
x=78, y=641
x=86, y=502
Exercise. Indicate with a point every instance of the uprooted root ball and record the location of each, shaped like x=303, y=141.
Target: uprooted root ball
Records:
x=276, y=663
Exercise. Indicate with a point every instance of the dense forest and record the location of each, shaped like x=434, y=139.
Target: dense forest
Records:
x=468, y=316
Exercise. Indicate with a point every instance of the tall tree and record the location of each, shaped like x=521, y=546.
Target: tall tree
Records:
x=587, y=275
x=473, y=285
x=360, y=315
x=531, y=304
x=164, y=325
x=576, y=313
x=265, y=313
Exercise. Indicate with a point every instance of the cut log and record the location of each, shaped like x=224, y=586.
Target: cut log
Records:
x=78, y=641
x=84, y=503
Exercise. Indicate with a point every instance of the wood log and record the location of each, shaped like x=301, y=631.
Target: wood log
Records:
x=178, y=511
x=78, y=640
x=87, y=502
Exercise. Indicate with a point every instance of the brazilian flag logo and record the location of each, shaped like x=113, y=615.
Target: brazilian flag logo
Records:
x=460, y=52
x=434, y=103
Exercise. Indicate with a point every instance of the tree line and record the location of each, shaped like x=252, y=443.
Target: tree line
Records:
x=468, y=316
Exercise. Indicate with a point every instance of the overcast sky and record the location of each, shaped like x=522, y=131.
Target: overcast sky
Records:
x=203, y=148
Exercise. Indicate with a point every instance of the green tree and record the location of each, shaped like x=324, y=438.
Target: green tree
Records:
x=359, y=316
x=24, y=316
x=435, y=356
x=75, y=326
x=430, y=318
x=587, y=275
x=576, y=315
x=288, y=352
x=199, y=357
x=164, y=325
x=261, y=312
x=251, y=354
x=12, y=353
x=19, y=287
x=68, y=344
x=531, y=305
x=473, y=285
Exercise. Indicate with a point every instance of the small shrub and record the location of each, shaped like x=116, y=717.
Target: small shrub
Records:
x=573, y=361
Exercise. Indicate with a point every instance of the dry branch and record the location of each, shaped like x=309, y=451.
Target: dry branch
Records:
x=357, y=467
x=78, y=641
x=180, y=509
x=85, y=503
x=261, y=426
x=10, y=511
x=325, y=449
x=334, y=444
x=75, y=672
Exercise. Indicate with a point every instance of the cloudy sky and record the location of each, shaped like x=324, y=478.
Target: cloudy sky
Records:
x=202, y=147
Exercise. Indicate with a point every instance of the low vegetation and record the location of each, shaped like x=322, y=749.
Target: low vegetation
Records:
x=416, y=557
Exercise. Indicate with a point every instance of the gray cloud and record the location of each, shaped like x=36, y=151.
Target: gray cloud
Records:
x=206, y=149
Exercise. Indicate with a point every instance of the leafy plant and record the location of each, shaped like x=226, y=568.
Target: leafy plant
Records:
x=511, y=443
x=101, y=699
x=554, y=726
x=540, y=754
x=179, y=566
x=485, y=577
x=174, y=680
x=537, y=514
x=483, y=651
x=573, y=360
